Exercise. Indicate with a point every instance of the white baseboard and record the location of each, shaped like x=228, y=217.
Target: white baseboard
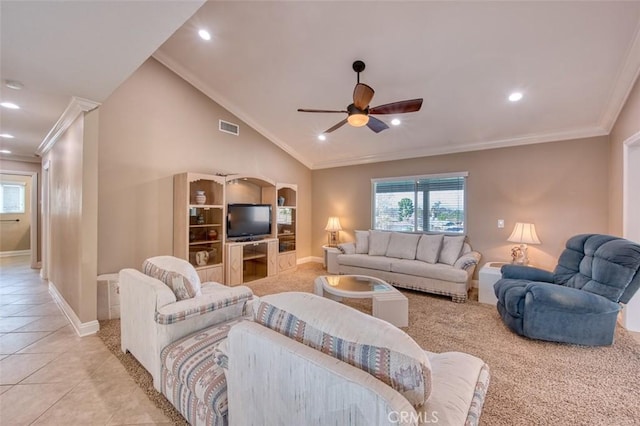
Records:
x=309, y=259
x=15, y=253
x=82, y=329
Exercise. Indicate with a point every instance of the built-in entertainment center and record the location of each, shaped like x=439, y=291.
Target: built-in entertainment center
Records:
x=234, y=229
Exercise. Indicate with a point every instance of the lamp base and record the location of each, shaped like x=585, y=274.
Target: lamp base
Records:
x=332, y=239
x=519, y=255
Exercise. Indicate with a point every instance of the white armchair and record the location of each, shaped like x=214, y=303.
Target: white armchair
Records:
x=152, y=317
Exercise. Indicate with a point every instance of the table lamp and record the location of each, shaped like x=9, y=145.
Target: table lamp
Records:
x=523, y=233
x=333, y=226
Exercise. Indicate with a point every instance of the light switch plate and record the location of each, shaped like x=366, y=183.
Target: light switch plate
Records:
x=500, y=223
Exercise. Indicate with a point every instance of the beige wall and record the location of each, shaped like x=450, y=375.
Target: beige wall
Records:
x=16, y=236
x=154, y=126
x=30, y=168
x=627, y=124
x=73, y=215
x=561, y=187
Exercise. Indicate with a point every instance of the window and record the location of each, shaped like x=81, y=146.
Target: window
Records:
x=12, y=197
x=431, y=203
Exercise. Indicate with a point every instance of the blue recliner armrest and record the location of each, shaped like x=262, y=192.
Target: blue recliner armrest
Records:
x=565, y=314
x=519, y=272
x=569, y=300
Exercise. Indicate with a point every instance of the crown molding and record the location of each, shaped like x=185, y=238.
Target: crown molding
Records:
x=624, y=83
x=190, y=78
x=469, y=147
x=76, y=107
x=21, y=158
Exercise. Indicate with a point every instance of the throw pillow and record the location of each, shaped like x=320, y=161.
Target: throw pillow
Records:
x=451, y=248
x=362, y=242
x=368, y=343
x=429, y=247
x=378, y=242
x=403, y=246
x=178, y=274
x=347, y=248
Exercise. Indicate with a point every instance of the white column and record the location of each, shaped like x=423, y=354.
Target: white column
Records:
x=631, y=224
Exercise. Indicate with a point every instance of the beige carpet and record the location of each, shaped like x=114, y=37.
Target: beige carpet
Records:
x=532, y=382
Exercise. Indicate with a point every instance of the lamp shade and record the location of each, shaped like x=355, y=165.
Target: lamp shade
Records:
x=333, y=224
x=524, y=233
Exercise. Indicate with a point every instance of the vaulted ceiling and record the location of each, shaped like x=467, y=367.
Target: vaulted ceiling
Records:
x=573, y=62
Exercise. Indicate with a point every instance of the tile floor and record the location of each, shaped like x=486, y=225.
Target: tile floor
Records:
x=49, y=375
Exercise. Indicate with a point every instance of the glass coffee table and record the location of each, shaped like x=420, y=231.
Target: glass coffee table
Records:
x=387, y=302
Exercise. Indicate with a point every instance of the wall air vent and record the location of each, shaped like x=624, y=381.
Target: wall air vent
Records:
x=227, y=127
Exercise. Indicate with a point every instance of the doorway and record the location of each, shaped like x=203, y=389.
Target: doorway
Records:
x=19, y=217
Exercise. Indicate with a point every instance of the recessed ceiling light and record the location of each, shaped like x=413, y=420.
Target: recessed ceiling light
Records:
x=13, y=84
x=515, y=96
x=396, y=121
x=204, y=34
x=322, y=137
x=6, y=136
x=5, y=151
x=9, y=105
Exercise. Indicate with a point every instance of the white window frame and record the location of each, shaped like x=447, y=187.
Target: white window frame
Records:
x=23, y=195
x=416, y=178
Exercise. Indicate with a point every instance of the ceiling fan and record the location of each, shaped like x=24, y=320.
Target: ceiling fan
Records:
x=359, y=113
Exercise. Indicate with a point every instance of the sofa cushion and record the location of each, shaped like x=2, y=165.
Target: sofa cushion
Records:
x=178, y=274
x=378, y=242
x=381, y=263
x=368, y=343
x=451, y=248
x=402, y=245
x=429, y=247
x=362, y=242
x=438, y=271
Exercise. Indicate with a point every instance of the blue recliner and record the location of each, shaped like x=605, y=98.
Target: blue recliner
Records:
x=577, y=303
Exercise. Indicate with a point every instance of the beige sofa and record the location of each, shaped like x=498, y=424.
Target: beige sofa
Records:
x=284, y=367
x=433, y=263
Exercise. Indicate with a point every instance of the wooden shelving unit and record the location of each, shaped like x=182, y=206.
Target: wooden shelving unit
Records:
x=200, y=235
x=199, y=228
x=287, y=201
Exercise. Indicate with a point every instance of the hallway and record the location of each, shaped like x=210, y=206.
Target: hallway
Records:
x=49, y=375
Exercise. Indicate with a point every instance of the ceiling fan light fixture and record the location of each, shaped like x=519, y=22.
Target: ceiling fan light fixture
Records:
x=322, y=137
x=396, y=122
x=358, y=120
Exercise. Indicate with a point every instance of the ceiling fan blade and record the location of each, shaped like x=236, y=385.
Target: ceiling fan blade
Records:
x=362, y=95
x=337, y=126
x=376, y=125
x=320, y=110
x=400, y=107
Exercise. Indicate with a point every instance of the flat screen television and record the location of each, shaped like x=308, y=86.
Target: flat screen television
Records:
x=248, y=220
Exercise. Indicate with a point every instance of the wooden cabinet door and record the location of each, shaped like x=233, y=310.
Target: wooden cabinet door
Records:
x=234, y=261
x=286, y=261
x=272, y=258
